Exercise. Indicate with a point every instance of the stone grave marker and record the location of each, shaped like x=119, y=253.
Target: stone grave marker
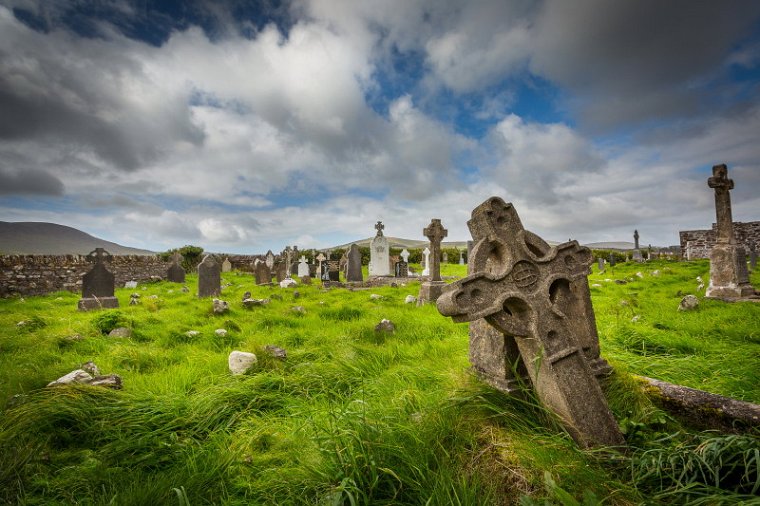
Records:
x=378, y=253
x=401, y=269
x=612, y=260
x=405, y=255
x=176, y=274
x=321, y=258
x=445, y=258
x=98, y=284
x=269, y=259
x=461, y=258
x=209, y=277
x=431, y=289
x=343, y=263
x=426, y=261
x=226, y=265
x=601, y=264
x=281, y=270
x=537, y=298
x=354, y=266
x=636, y=252
x=729, y=278
x=263, y=274
x=333, y=270
x=303, y=267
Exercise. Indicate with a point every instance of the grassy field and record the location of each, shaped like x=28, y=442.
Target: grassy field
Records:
x=355, y=417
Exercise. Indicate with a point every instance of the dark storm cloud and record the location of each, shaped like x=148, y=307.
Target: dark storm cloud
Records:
x=29, y=181
x=636, y=60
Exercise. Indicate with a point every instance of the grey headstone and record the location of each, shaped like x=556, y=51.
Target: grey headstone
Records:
x=176, y=274
x=209, y=277
x=542, y=310
x=98, y=284
x=431, y=289
x=401, y=270
x=354, y=266
x=226, y=265
x=333, y=270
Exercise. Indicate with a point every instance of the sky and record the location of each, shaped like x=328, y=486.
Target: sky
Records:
x=246, y=126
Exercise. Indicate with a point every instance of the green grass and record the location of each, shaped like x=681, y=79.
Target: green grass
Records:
x=352, y=417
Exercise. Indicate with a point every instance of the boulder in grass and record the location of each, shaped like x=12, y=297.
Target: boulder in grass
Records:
x=375, y=296
x=276, y=351
x=220, y=333
x=240, y=362
x=688, y=303
x=410, y=299
x=122, y=332
x=220, y=306
x=288, y=283
x=385, y=326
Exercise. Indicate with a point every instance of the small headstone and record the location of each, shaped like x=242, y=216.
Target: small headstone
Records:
x=226, y=265
x=612, y=260
x=333, y=270
x=220, y=306
x=98, y=284
x=130, y=284
x=281, y=271
x=385, y=326
x=405, y=255
x=354, y=267
x=688, y=303
x=303, y=267
x=240, y=362
x=601, y=264
x=209, y=278
x=263, y=274
x=401, y=269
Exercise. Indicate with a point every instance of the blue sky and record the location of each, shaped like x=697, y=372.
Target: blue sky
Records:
x=245, y=126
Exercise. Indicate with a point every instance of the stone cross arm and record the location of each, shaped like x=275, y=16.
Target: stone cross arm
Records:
x=99, y=256
x=435, y=231
x=719, y=179
x=379, y=227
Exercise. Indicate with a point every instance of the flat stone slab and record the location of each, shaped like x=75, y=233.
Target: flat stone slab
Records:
x=91, y=303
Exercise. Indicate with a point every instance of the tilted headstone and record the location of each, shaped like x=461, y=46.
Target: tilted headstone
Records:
x=226, y=265
x=426, y=261
x=354, y=266
x=378, y=253
x=405, y=255
x=612, y=260
x=263, y=274
x=537, y=297
x=431, y=289
x=303, y=267
x=176, y=274
x=209, y=277
x=269, y=259
x=729, y=278
x=98, y=284
x=401, y=269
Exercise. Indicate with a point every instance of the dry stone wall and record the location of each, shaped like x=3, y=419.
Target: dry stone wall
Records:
x=40, y=274
x=698, y=243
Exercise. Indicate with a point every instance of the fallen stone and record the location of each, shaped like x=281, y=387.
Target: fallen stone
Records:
x=220, y=306
x=288, y=283
x=386, y=326
x=276, y=351
x=123, y=332
x=220, y=332
x=192, y=333
x=109, y=381
x=91, y=368
x=410, y=299
x=621, y=282
x=298, y=309
x=375, y=296
x=153, y=297
x=635, y=319
x=240, y=362
x=688, y=303
x=76, y=376
x=249, y=303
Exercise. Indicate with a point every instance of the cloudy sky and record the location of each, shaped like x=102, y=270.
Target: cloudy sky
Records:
x=243, y=126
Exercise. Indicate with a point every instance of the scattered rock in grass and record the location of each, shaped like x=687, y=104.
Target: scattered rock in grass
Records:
x=701, y=286
x=607, y=280
x=192, y=333
x=185, y=289
x=21, y=323
x=82, y=377
x=699, y=279
x=298, y=309
x=130, y=284
x=394, y=285
x=122, y=332
x=220, y=333
x=624, y=303
x=246, y=295
x=74, y=337
x=249, y=303
x=688, y=303
x=410, y=299
x=133, y=301
x=241, y=361
x=108, y=381
x=635, y=319
x=169, y=291
x=621, y=282
x=639, y=275
x=596, y=285
x=656, y=272
x=226, y=285
x=276, y=351
x=386, y=326
x=134, y=295
x=375, y=296
x=91, y=368
x=220, y=306
x=296, y=294
x=288, y=283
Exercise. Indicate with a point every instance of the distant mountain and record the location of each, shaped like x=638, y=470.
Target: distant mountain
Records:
x=619, y=245
x=398, y=242
x=36, y=238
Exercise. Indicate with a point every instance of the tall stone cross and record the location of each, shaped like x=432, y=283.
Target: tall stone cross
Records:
x=435, y=234
x=722, y=185
x=635, y=239
x=537, y=295
x=99, y=256
x=379, y=227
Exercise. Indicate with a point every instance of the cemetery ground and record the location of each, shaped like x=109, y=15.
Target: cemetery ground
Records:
x=353, y=416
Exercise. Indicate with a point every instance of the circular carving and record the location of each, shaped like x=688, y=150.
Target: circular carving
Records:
x=524, y=274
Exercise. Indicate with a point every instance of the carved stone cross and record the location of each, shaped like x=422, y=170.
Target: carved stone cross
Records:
x=537, y=295
x=722, y=185
x=99, y=256
x=635, y=239
x=379, y=227
x=435, y=234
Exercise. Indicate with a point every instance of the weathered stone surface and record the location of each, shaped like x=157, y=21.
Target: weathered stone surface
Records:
x=249, y=303
x=431, y=289
x=333, y=270
x=410, y=299
x=240, y=362
x=226, y=265
x=130, y=284
x=385, y=326
x=209, y=278
x=82, y=377
x=98, y=284
x=92, y=303
x=220, y=332
x=426, y=262
x=401, y=269
x=729, y=278
x=281, y=270
x=109, y=381
x=306, y=280
x=176, y=274
x=536, y=297
x=379, y=253
x=688, y=303
x=122, y=332
x=704, y=410
x=220, y=306
x=276, y=351
x=298, y=309
x=288, y=283
x=354, y=266
x=263, y=274
x=303, y=267
x=192, y=333
x=405, y=255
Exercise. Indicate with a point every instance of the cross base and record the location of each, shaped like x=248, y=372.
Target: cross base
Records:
x=430, y=291
x=729, y=278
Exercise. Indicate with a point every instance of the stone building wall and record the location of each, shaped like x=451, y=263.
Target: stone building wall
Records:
x=698, y=243
x=40, y=274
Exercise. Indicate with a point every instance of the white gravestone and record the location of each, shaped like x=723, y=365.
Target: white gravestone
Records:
x=303, y=267
x=426, y=270
x=379, y=264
